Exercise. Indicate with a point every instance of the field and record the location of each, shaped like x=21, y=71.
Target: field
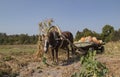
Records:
x=18, y=60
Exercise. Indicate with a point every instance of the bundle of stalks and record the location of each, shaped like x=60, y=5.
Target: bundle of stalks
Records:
x=43, y=29
x=38, y=54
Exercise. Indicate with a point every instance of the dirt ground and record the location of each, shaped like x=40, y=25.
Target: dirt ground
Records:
x=23, y=64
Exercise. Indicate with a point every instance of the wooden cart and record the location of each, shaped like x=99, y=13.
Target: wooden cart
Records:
x=84, y=47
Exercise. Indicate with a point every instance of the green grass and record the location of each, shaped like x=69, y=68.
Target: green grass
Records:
x=17, y=49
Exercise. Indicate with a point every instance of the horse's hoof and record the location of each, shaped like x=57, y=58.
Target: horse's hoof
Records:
x=55, y=63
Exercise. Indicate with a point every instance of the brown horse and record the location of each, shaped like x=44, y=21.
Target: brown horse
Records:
x=55, y=41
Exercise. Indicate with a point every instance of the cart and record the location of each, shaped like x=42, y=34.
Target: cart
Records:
x=84, y=47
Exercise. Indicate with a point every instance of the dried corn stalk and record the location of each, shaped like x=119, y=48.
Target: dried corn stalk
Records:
x=43, y=29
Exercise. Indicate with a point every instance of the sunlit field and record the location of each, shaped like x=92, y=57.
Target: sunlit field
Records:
x=15, y=57
x=17, y=49
x=111, y=58
x=17, y=60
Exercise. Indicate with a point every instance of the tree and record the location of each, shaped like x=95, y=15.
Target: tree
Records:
x=87, y=32
x=3, y=38
x=116, y=35
x=107, y=33
x=78, y=35
x=24, y=39
x=17, y=39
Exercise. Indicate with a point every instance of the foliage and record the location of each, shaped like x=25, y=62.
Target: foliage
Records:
x=17, y=39
x=86, y=32
x=78, y=35
x=116, y=35
x=107, y=33
x=91, y=67
x=44, y=60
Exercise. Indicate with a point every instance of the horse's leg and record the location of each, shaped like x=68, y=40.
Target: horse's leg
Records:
x=68, y=55
x=72, y=49
x=56, y=55
x=52, y=54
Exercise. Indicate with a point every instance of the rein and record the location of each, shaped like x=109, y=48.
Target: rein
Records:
x=62, y=37
x=61, y=43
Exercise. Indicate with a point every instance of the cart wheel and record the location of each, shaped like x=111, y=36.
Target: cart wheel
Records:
x=102, y=49
x=91, y=49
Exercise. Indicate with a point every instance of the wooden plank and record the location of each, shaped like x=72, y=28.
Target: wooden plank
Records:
x=83, y=44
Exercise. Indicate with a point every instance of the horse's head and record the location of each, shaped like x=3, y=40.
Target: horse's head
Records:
x=46, y=43
x=50, y=40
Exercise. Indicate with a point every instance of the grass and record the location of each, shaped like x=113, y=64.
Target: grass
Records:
x=17, y=49
x=112, y=48
x=111, y=58
x=15, y=57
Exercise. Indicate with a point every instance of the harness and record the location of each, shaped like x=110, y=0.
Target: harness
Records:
x=58, y=39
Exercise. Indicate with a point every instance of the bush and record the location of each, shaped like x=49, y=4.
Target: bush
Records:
x=91, y=67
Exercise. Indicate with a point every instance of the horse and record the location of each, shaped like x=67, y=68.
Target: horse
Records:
x=54, y=41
